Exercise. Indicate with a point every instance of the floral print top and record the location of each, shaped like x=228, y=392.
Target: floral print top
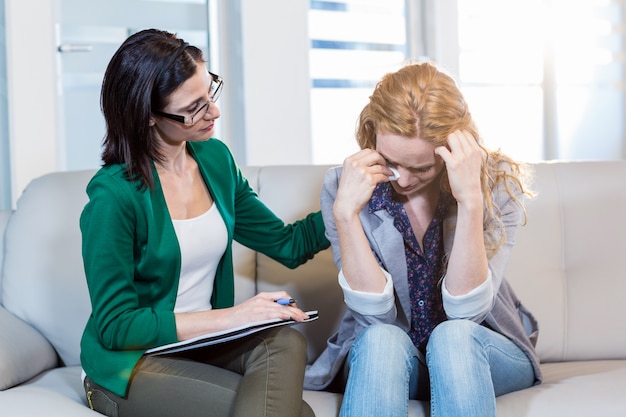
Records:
x=425, y=265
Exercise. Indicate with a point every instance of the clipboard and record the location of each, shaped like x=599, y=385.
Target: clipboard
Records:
x=226, y=335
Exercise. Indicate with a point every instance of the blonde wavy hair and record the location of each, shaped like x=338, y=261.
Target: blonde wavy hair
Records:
x=420, y=99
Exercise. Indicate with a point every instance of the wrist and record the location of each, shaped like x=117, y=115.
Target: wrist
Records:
x=472, y=204
x=344, y=215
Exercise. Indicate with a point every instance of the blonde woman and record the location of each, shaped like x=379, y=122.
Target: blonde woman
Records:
x=422, y=221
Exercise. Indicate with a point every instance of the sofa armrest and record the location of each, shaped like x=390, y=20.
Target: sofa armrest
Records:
x=24, y=352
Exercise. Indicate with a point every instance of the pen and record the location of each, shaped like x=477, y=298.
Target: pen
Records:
x=285, y=301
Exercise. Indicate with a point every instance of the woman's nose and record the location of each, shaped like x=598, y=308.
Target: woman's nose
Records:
x=404, y=178
x=213, y=112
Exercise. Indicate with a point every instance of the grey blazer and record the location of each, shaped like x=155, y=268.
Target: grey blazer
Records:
x=507, y=315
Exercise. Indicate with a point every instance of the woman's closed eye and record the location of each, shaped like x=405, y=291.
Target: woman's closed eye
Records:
x=199, y=107
x=422, y=170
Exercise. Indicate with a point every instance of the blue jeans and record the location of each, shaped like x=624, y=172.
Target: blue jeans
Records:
x=466, y=366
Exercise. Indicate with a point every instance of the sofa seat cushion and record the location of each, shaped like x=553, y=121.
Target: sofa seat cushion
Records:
x=55, y=393
x=573, y=389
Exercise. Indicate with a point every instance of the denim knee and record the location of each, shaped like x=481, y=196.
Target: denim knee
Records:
x=381, y=352
x=382, y=341
x=382, y=336
x=452, y=333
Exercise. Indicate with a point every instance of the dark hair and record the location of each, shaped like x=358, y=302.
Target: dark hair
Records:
x=140, y=77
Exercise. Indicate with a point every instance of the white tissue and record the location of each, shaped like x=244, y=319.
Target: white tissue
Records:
x=395, y=175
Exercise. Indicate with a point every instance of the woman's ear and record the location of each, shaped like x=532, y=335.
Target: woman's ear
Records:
x=151, y=122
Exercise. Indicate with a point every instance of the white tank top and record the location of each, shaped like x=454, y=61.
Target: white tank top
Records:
x=202, y=242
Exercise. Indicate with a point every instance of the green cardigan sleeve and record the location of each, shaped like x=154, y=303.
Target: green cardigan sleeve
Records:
x=131, y=261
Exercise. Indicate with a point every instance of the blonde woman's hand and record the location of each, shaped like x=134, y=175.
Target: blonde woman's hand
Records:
x=360, y=175
x=464, y=159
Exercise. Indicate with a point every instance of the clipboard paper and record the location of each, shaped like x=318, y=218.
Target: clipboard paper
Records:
x=225, y=335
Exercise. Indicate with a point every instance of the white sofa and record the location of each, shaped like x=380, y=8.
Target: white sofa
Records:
x=569, y=267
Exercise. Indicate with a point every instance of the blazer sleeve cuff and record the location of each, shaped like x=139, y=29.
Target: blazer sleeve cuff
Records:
x=366, y=303
x=468, y=305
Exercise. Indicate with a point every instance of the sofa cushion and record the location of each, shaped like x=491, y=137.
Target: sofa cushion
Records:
x=24, y=352
x=43, y=279
x=292, y=192
x=4, y=218
x=569, y=261
x=244, y=259
x=573, y=389
x=55, y=393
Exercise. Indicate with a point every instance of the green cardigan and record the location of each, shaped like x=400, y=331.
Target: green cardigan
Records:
x=132, y=258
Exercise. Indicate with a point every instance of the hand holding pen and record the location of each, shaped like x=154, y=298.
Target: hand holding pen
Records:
x=262, y=306
x=289, y=304
x=285, y=301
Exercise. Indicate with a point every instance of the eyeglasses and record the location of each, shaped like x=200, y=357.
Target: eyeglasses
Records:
x=216, y=89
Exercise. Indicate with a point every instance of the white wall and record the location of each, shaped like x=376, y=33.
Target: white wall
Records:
x=5, y=164
x=32, y=99
x=264, y=59
x=276, y=81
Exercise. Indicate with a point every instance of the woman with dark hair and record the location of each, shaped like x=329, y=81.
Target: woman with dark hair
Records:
x=422, y=221
x=157, y=250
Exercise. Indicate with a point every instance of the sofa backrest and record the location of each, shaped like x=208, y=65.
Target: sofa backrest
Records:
x=568, y=267
x=569, y=263
x=4, y=218
x=292, y=192
x=43, y=282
